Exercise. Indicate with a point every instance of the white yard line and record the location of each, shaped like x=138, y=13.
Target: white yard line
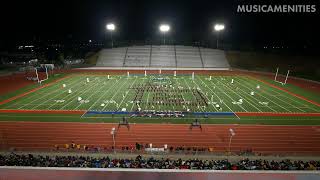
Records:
x=248, y=100
x=133, y=102
x=58, y=89
x=128, y=92
x=265, y=97
x=216, y=95
x=20, y=101
x=68, y=97
x=184, y=100
x=33, y=104
x=206, y=96
x=190, y=90
x=147, y=100
x=116, y=92
x=228, y=95
x=263, y=92
x=50, y=98
x=289, y=97
x=102, y=94
x=92, y=94
x=26, y=98
x=88, y=87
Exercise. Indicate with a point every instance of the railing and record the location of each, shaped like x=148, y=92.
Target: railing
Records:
x=125, y=57
x=201, y=56
x=150, y=56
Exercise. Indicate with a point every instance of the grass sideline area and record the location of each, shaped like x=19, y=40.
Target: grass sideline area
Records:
x=260, y=120
x=295, y=89
x=30, y=87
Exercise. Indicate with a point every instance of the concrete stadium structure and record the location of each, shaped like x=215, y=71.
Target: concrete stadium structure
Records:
x=162, y=56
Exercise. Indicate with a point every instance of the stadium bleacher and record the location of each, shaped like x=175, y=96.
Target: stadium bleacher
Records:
x=188, y=56
x=163, y=56
x=137, y=56
x=213, y=58
x=111, y=57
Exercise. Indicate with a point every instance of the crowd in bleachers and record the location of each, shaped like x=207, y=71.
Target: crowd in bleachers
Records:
x=138, y=148
x=152, y=163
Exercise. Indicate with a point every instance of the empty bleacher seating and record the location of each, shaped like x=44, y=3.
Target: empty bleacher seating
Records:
x=188, y=56
x=111, y=57
x=138, y=56
x=213, y=58
x=163, y=56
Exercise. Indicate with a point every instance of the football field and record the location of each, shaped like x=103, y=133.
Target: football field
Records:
x=164, y=93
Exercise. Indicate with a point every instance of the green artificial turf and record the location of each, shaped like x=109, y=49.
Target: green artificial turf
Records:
x=161, y=93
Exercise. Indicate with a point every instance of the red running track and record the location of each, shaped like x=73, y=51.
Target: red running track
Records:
x=259, y=138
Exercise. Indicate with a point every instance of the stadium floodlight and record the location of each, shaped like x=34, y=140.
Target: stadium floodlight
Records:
x=111, y=27
x=232, y=133
x=218, y=28
x=164, y=28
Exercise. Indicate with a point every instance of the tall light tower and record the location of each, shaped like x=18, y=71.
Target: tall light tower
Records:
x=232, y=133
x=111, y=27
x=164, y=28
x=218, y=28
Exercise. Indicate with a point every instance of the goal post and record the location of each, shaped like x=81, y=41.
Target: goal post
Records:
x=47, y=68
x=276, y=77
x=285, y=81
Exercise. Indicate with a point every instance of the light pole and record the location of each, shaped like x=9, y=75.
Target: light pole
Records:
x=164, y=28
x=232, y=133
x=113, y=133
x=218, y=28
x=111, y=27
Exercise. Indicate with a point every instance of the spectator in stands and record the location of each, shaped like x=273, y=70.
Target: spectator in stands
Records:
x=66, y=146
x=78, y=146
x=85, y=147
x=73, y=145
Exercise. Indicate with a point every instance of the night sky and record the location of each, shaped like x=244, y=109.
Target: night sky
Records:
x=139, y=20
